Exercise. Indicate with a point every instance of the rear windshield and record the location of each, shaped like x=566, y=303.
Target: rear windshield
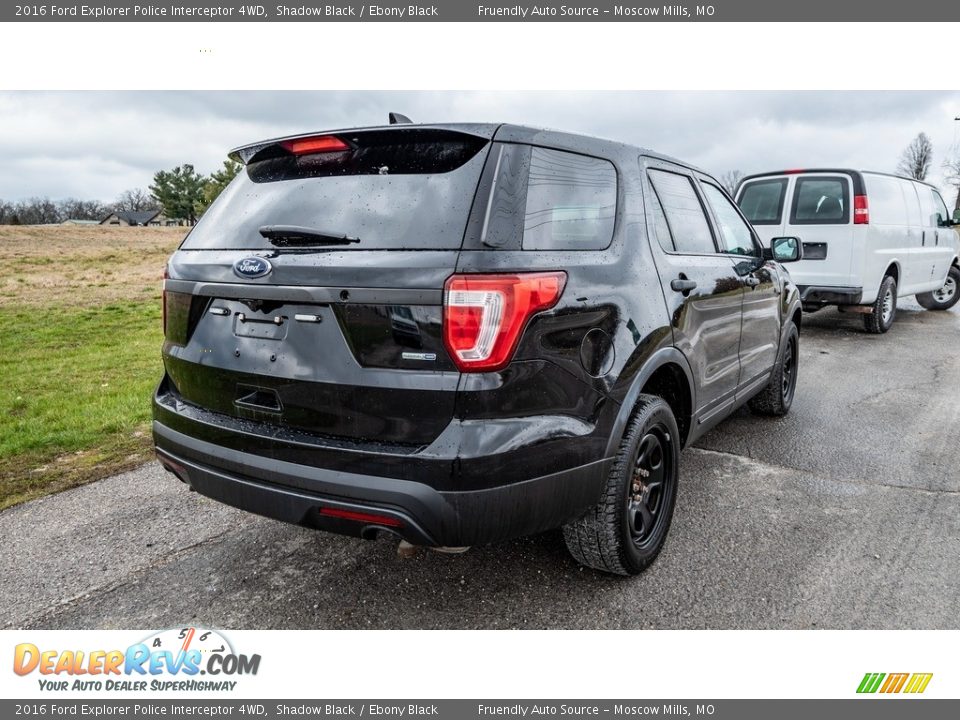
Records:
x=394, y=190
x=762, y=201
x=820, y=201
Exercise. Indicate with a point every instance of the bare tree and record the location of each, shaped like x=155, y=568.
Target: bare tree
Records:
x=37, y=211
x=73, y=209
x=951, y=172
x=731, y=179
x=917, y=158
x=135, y=200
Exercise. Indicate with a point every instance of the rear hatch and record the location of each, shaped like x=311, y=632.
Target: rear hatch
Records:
x=310, y=294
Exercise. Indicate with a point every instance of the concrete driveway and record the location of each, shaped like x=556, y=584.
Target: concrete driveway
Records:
x=845, y=514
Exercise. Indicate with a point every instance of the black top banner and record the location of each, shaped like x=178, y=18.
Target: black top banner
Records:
x=853, y=11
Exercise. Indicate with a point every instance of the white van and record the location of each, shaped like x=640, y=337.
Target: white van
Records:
x=868, y=238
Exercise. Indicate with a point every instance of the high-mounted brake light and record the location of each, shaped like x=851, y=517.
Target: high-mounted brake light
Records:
x=861, y=210
x=313, y=145
x=484, y=315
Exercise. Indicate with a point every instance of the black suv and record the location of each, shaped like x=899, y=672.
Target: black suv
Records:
x=460, y=334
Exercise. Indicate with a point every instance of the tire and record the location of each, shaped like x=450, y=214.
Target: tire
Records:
x=884, y=308
x=625, y=531
x=947, y=296
x=777, y=397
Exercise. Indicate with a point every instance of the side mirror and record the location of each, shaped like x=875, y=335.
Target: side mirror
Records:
x=786, y=249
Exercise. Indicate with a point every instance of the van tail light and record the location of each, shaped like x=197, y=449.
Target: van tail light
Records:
x=861, y=210
x=485, y=315
x=314, y=145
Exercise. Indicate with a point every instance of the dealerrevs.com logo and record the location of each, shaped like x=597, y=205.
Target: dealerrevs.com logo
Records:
x=180, y=659
x=892, y=683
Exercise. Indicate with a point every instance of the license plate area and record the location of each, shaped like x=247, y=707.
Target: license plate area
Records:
x=260, y=326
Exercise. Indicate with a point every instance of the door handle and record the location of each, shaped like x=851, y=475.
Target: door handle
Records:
x=751, y=280
x=682, y=284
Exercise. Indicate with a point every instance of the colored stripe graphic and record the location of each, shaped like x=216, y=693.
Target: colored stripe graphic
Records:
x=894, y=683
x=918, y=682
x=870, y=682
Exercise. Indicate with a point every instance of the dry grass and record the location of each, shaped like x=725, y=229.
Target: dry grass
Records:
x=80, y=328
x=63, y=264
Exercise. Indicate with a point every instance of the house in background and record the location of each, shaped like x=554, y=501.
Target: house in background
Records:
x=142, y=218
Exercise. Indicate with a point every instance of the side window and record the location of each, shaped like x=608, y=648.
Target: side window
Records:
x=821, y=201
x=660, y=226
x=940, y=207
x=684, y=213
x=762, y=201
x=571, y=202
x=735, y=235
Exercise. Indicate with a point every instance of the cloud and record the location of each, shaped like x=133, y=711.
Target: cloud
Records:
x=97, y=144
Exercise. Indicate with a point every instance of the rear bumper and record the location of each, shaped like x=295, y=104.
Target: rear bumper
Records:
x=830, y=295
x=418, y=513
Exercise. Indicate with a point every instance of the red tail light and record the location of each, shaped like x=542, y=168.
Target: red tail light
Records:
x=363, y=517
x=313, y=145
x=861, y=210
x=484, y=315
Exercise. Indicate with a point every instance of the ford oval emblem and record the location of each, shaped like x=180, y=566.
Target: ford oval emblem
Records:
x=252, y=267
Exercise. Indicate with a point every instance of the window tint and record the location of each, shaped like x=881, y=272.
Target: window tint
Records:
x=571, y=202
x=419, y=198
x=820, y=201
x=685, y=216
x=660, y=227
x=762, y=201
x=735, y=235
x=885, y=200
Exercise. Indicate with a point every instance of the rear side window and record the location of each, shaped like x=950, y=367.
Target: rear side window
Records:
x=762, y=201
x=571, y=202
x=821, y=201
x=685, y=215
x=735, y=235
x=392, y=189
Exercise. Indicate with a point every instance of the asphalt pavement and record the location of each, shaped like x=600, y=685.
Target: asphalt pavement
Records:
x=845, y=514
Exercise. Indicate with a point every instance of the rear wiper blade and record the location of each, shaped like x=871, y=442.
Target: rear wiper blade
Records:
x=296, y=236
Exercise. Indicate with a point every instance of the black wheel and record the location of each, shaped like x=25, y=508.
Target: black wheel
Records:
x=947, y=296
x=884, y=308
x=626, y=530
x=777, y=397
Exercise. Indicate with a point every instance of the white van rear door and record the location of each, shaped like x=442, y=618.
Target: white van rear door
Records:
x=819, y=213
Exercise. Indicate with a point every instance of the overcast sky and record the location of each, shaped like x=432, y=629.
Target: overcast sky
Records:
x=94, y=145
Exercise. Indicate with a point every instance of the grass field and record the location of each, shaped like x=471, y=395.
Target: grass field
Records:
x=80, y=331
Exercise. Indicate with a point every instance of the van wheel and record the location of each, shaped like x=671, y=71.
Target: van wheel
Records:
x=777, y=397
x=884, y=308
x=625, y=531
x=947, y=296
